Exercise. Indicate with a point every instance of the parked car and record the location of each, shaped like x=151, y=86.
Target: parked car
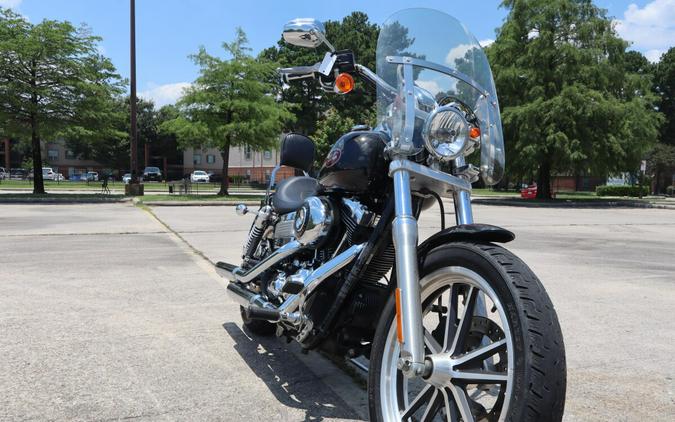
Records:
x=75, y=177
x=58, y=177
x=199, y=176
x=152, y=173
x=90, y=176
x=529, y=192
x=18, y=174
x=3, y=175
x=126, y=178
x=48, y=173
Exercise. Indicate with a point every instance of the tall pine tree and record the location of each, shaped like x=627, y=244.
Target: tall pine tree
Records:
x=568, y=103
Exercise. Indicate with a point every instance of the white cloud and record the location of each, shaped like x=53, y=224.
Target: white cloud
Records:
x=654, y=55
x=430, y=85
x=651, y=29
x=10, y=4
x=457, y=52
x=162, y=95
x=484, y=43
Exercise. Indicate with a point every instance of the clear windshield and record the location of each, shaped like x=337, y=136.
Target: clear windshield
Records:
x=448, y=64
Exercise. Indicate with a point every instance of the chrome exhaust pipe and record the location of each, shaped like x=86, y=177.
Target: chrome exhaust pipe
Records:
x=258, y=306
x=233, y=273
x=240, y=294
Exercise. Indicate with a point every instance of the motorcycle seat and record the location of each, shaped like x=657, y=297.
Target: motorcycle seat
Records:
x=291, y=193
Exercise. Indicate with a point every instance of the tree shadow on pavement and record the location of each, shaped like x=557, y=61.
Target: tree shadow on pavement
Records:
x=291, y=382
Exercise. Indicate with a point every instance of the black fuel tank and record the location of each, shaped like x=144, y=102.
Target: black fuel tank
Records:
x=356, y=164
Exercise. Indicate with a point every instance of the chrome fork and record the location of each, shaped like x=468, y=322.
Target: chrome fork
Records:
x=410, y=331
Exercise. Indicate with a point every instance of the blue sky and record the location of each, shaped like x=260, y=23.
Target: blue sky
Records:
x=169, y=30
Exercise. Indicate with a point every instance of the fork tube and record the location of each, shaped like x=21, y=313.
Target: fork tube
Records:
x=462, y=200
x=404, y=230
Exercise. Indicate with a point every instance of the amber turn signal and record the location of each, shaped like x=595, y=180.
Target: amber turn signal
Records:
x=344, y=83
x=474, y=132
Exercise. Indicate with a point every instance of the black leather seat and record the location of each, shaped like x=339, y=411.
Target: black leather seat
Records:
x=291, y=193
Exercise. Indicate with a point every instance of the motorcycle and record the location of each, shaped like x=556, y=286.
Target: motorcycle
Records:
x=456, y=327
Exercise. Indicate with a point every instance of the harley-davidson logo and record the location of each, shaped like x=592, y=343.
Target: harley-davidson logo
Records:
x=333, y=156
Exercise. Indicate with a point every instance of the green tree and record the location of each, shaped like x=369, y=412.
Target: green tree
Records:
x=110, y=146
x=568, y=103
x=52, y=79
x=664, y=81
x=232, y=103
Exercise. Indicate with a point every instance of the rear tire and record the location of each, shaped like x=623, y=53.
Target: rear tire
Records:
x=536, y=380
x=257, y=326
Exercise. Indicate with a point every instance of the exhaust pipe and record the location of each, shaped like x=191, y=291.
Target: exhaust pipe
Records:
x=258, y=307
x=233, y=273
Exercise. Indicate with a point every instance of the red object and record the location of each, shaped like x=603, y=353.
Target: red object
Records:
x=529, y=192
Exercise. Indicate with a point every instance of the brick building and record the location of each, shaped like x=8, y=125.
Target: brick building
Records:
x=252, y=166
x=248, y=165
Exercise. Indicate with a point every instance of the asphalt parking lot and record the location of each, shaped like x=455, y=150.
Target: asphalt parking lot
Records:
x=110, y=312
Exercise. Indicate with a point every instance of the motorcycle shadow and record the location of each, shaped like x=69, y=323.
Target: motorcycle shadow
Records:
x=287, y=377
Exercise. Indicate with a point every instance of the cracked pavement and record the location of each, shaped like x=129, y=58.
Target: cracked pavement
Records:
x=105, y=314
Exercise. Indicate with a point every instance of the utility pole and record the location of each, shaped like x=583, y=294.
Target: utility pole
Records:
x=134, y=186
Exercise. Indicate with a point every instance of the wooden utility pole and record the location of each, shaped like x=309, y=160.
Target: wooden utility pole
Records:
x=134, y=126
x=134, y=187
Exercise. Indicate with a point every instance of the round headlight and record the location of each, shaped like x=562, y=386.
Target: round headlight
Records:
x=446, y=132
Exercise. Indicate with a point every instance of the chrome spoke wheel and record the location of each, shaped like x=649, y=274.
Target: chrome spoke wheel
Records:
x=469, y=345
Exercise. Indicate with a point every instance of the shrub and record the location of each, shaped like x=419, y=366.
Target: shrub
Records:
x=670, y=190
x=621, y=190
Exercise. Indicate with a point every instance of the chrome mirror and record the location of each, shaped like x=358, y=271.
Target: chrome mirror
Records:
x=306, y=32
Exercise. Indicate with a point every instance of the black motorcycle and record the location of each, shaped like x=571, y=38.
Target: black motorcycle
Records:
x=456, y=327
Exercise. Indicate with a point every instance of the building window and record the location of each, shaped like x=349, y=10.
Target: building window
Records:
x=70, y=155
x=247, y=152
x=53, y=154
x=196, y=159
x=210, y=158
x=268, y=155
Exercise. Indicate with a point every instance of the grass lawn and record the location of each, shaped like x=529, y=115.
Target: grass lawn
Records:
x=25, y=184
x=59, y=197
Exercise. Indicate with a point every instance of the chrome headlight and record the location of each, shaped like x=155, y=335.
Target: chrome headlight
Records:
x=446, y=132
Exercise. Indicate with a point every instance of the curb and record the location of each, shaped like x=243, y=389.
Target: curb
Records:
x=64, y=201
x=193, y=203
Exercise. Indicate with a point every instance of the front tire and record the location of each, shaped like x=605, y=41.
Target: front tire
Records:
x=508, y=359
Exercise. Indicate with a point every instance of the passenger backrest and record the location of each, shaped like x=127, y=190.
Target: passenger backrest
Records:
x=297, y=151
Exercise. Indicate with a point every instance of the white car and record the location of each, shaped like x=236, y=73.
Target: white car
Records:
x=90, y=176
x=198, y=176
x=58, y=177
x=126, y=178
x=3, y=174
x=48, y=173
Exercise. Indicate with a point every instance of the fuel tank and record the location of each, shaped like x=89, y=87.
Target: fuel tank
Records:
x=356, y=164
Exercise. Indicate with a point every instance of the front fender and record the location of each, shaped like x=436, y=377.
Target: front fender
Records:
x=463, y=232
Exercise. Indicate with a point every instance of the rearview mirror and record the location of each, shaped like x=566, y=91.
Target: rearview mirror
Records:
x=306, y=32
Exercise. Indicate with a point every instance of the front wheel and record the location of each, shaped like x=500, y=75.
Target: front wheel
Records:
x=492, y=339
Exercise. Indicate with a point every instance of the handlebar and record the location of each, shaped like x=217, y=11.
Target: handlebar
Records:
x=298, y=72
x=301, y=72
